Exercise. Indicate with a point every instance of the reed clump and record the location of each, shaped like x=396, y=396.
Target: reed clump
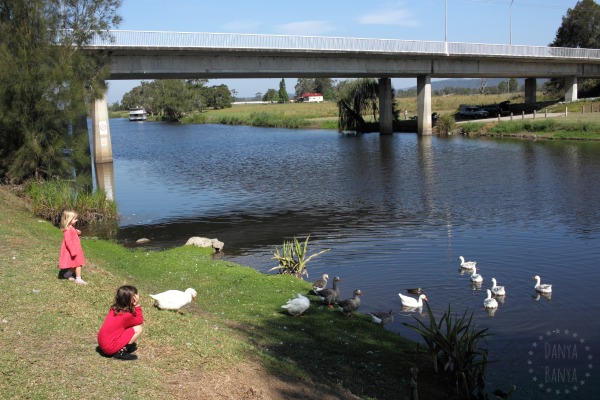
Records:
x=50, y=198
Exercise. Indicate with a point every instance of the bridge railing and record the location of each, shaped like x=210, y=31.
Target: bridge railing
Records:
x=231, y=41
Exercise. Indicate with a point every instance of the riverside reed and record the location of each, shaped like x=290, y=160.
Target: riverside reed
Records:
x=234, y=341
x=50, y=198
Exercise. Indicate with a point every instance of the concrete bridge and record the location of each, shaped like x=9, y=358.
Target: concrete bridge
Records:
x=182, y=55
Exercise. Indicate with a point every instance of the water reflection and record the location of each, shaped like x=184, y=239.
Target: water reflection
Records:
x=105, y=178
x=544, y=296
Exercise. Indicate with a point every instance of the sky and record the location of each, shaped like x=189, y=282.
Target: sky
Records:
x=522, y=22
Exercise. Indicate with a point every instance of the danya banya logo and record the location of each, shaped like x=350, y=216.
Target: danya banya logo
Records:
x=560, y=362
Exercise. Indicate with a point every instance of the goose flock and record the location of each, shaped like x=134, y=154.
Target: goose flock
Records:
x=496, y=293
x=330, y=296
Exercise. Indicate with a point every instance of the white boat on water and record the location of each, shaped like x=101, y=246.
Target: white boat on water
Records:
x=137, y=114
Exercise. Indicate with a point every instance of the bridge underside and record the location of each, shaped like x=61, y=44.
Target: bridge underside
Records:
x=209, y=65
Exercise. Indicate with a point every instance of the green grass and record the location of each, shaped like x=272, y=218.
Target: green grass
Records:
x=48, y=326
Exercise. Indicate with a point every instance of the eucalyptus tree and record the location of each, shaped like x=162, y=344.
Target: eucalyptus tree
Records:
x=45, y=81
x=580, y=27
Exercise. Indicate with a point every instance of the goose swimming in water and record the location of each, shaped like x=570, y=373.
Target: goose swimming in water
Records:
x=382, y=318
x=467, y=264
x=490, y=302
x=497, y=290
x=542, y=288
x=475, y=277
x=408, y=301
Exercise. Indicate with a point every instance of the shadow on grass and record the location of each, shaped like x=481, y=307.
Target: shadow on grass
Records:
x=324, y=345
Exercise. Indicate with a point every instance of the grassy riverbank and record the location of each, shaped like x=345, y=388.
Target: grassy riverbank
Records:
x=582, y=120
x=235, y=342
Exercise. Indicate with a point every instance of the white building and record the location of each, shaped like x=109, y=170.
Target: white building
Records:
x=312, y=97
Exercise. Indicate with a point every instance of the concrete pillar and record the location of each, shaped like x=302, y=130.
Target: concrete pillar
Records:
x=101, y=130
x=424, y=105
x=570, y=89
x=385, y=106
x=530, y=90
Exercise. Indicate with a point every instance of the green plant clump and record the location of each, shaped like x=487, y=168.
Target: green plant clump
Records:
x=293, y=258
x=453, y=344
x=445, y=124
x=50, y=198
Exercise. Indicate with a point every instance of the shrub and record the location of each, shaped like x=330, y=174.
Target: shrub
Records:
x=445, y=124
x=453, y=344
x=293, y=258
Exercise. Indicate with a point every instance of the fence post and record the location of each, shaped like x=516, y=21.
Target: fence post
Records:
x=522, y=115
x=511, y=115
x=546, y=113
x=534, y=111
x=566, y=111
x=413, y=383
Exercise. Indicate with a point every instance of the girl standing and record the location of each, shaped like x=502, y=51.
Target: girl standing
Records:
x=122, y=326
x=71, y=254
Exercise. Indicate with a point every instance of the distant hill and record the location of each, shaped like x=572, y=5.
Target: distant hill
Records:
x=469, y=83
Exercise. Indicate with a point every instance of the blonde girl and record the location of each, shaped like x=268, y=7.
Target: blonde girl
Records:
x=71, y=254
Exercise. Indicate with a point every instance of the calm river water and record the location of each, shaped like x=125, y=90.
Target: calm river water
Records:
x=397, y=212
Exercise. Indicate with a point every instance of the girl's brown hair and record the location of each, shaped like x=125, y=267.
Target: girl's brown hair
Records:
x=124, y=299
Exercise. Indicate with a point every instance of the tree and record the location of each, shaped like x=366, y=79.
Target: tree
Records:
x=42, y=81
x=218, y=97
x=579, y=28
x=283, y=95
x=357, y=98
x=325, y=86
x=272, y=96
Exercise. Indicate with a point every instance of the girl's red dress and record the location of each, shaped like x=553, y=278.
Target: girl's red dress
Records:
x=71, y=253
x=117, y=330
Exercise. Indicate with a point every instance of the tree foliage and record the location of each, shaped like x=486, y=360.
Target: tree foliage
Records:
x=325, y=86
x=580, y=28
x=172, y=99
x=356, y=99
x=283, y=95
x=42, y=81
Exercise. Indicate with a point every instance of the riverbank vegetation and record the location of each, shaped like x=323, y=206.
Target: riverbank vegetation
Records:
x=235, y=342
x=50, y=198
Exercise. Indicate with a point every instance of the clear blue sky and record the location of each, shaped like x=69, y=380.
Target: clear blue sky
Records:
x=533, y=22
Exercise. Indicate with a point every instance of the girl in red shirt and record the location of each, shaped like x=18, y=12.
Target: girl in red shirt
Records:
x=122, y=326
x=71, y=254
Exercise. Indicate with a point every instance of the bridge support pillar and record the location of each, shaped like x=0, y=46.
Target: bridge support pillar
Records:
x=530, y=90
x=385, y=106
x=570, y=89
x=101, y=131
x=424, y=126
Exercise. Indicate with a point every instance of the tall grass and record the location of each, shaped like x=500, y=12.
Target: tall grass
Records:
x=50, y=198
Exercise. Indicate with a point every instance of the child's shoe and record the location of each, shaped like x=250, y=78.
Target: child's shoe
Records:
x=124, y=355
x=130, y=348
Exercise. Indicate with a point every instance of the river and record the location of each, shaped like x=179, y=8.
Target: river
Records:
x=397, y=211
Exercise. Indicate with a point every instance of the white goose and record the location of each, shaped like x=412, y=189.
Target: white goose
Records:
x=490, y=302
x=408, y=301
x=467, y=264
x=174, y=299
x=542, y=288
x=497, y=290
x=297, y=306
x=475, y=277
